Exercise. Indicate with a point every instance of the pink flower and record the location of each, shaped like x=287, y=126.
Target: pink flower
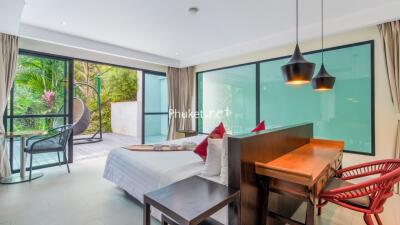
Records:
x=49, y=98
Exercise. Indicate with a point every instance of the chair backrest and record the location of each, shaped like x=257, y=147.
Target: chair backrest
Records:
x=64, y=133
x=383, y=185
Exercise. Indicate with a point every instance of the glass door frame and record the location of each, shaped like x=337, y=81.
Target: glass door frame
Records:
x=144, y=113
x=257, y=88
x=68, y=103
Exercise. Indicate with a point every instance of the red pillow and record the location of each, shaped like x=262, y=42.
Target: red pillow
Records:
x=259, y=127
x=201, y=149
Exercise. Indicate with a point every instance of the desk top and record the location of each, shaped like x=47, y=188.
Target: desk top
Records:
x=192, y=198
x=303, y=165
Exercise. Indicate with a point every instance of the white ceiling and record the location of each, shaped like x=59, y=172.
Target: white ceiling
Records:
x=10, y=18
x=171, y=35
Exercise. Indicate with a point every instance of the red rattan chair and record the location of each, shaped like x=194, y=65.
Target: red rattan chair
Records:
x=367, y=197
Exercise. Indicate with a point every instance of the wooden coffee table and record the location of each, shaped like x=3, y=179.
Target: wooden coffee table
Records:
x=191, y=201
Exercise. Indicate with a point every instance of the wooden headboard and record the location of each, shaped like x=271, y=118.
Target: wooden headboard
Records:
x=262, y=146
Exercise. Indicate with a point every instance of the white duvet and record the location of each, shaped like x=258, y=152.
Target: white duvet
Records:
x=140, y=172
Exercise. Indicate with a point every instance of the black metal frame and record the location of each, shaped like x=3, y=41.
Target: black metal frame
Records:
x=67, y=117
x=93, y=138
x=144, y=113
x=59, y=131
x=257, y=63
x=67, y=95
x=153, y=72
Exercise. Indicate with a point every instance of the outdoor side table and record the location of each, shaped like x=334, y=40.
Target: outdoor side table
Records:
x=21, y=177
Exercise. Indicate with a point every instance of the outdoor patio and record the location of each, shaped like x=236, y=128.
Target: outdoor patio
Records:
x=81, y=152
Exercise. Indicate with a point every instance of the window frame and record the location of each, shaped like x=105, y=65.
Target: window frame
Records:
x=70, y=77
x=144, y=113
x=257, y=89
x=68, y=74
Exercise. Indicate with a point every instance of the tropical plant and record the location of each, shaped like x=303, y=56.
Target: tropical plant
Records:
x=116, y=84
x=38, y=89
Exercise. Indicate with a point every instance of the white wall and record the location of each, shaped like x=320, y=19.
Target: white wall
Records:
x=385, y=117
x=124, y=118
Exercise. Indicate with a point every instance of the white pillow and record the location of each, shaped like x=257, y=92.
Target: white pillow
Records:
x=213, y=160
x=224, y=161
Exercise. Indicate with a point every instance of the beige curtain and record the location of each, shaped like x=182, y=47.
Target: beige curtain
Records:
x=173, y=93
x=180, y=93
x=8, y=64
x=390, y=33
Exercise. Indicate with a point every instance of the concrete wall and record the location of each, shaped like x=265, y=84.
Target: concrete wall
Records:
x=385, y=117
x=124, y=118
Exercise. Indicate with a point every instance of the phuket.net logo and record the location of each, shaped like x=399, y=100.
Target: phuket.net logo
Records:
x=195, y=114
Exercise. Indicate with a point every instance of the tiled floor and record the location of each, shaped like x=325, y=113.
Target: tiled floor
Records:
x=85, y=198
x=110, y=141
x=80, y=198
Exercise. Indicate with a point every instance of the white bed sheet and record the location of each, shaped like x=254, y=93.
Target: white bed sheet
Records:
x=140, y=172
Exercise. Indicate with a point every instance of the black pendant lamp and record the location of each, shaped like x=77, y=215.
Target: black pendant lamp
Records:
x=323, y=81
x=298, y=70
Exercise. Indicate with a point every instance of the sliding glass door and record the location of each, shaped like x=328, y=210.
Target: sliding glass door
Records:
x=38, y=101
x=155, y=107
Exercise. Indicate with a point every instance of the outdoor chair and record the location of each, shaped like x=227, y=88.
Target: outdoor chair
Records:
x=367, y=197
x=54, y=141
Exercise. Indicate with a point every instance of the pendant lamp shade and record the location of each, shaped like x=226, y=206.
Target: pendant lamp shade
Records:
x=323, y=81
x=298, y=70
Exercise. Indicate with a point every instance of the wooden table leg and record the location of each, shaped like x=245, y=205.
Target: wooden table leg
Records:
x=234, y=218
x=264, y=182
x=146, y=213
x=310, y=213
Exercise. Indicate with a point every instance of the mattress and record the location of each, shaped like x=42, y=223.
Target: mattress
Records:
x=140, y=172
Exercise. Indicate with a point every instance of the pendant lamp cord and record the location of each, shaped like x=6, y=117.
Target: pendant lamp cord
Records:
x=297, y=21
x=322, y=29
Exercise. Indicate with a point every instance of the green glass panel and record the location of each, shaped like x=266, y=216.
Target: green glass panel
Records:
x=156, y=93
x=343, y=113
x=228, y=96
x=156, y=128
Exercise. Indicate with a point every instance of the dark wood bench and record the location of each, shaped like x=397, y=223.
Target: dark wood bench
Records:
x=190, y=202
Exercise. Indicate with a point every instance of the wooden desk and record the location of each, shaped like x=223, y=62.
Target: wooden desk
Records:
x=301, y=174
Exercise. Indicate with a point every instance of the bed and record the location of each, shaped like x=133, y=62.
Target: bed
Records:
x=140, y=172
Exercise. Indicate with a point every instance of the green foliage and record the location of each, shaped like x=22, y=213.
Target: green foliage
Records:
x=37, y=75
x=117, y=85
x=120, y=85
x=34, y=76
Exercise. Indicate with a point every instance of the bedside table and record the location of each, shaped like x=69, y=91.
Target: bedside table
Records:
x=191, y=202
